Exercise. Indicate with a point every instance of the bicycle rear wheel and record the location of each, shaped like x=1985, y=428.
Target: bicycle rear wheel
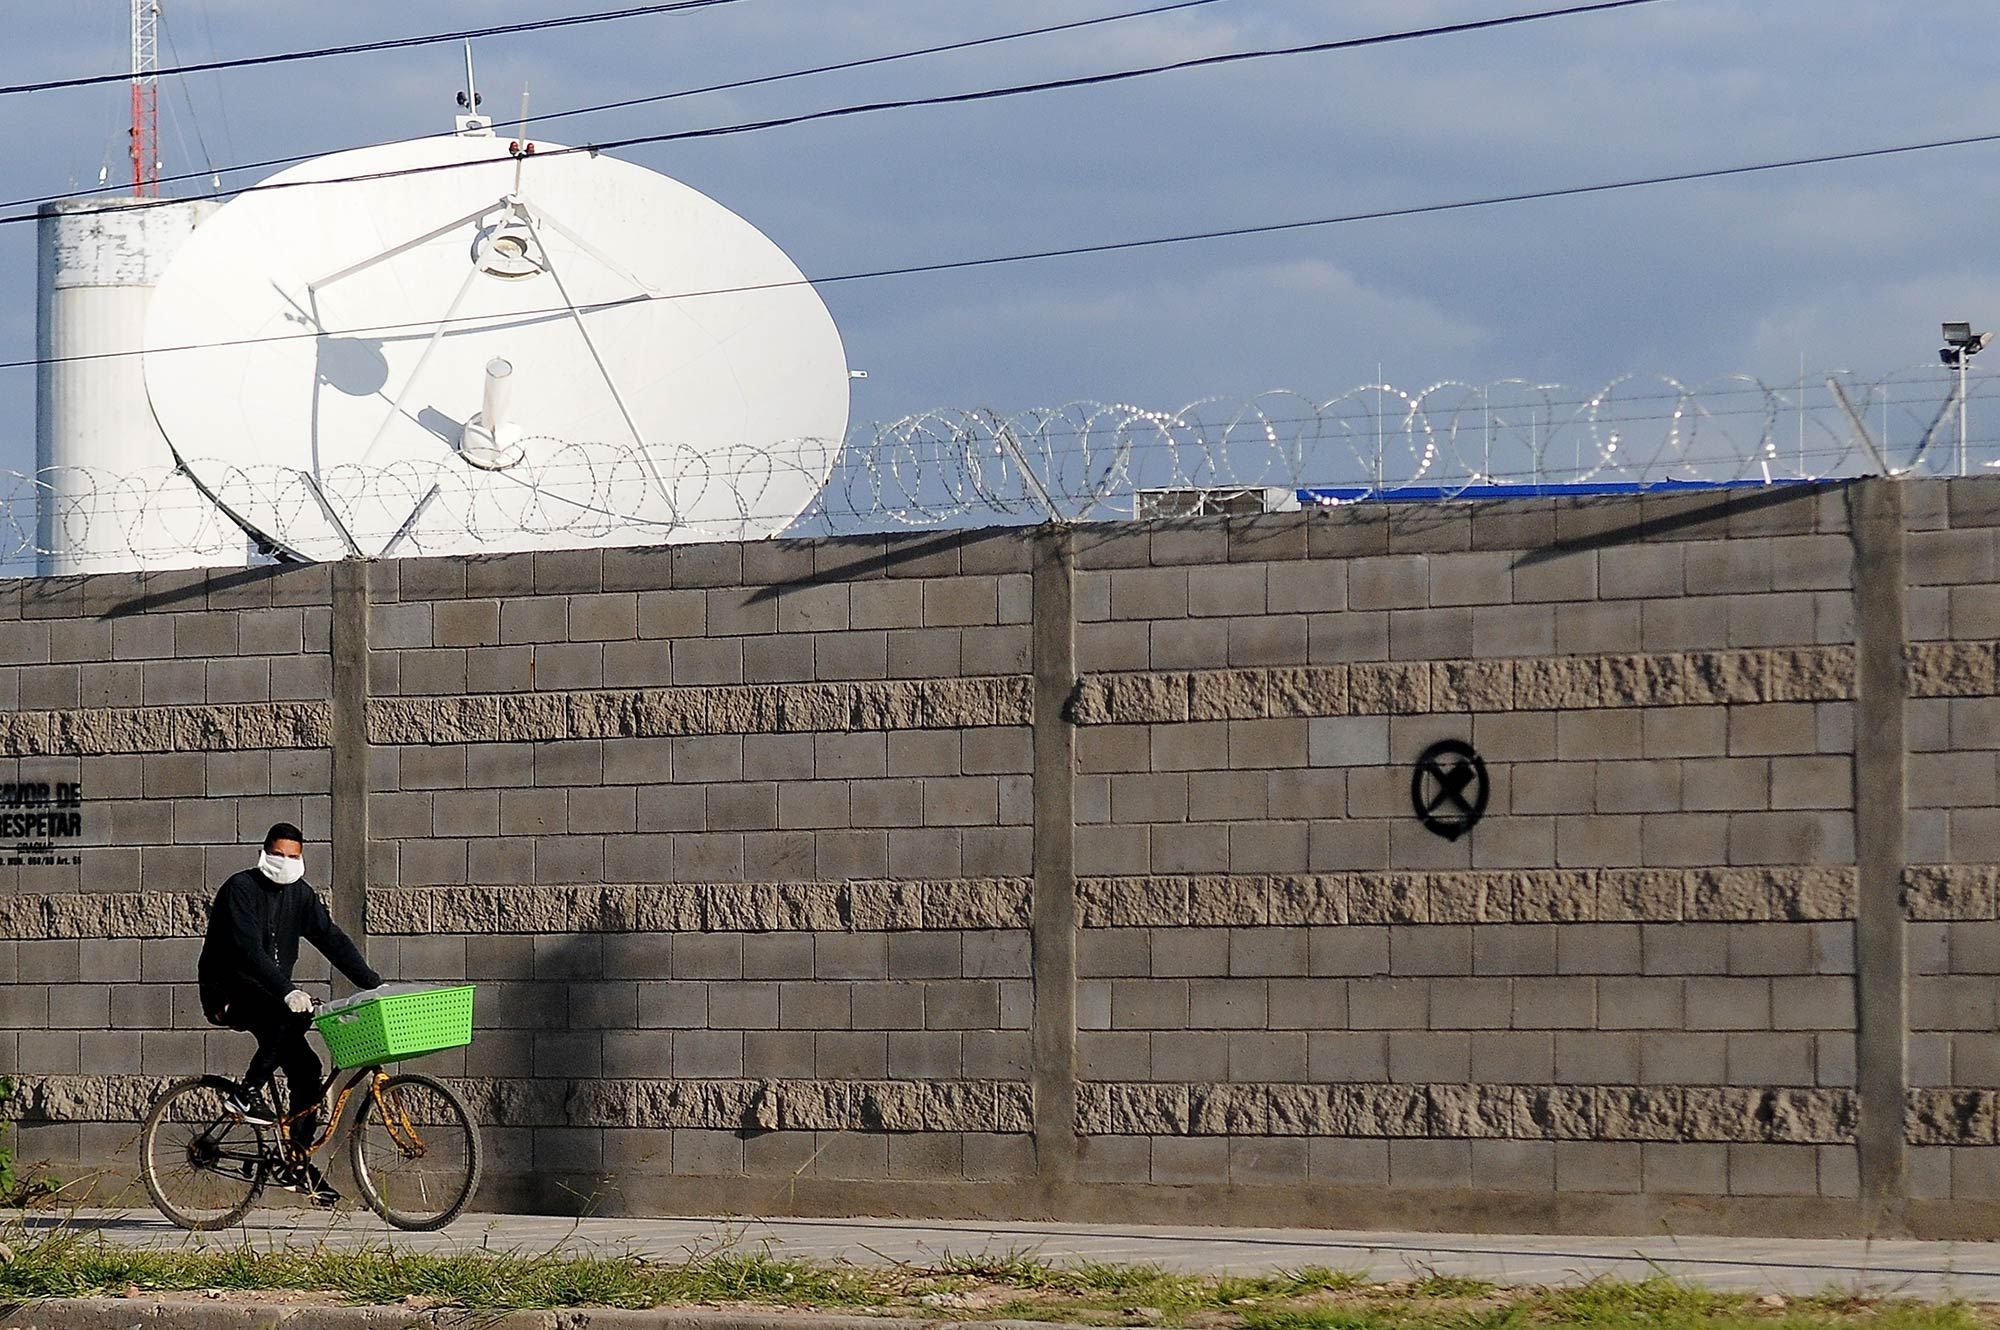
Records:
x=202, y=1165
x=417, y=1158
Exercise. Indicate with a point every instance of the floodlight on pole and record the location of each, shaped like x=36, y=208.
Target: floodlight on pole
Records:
x=1961, y=344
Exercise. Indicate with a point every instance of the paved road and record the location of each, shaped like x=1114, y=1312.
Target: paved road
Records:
x=1918, y=1269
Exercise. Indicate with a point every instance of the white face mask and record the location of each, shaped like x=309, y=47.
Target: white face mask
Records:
x=279, y=869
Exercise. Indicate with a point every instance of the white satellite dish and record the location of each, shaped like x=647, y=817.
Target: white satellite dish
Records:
x=530, y=351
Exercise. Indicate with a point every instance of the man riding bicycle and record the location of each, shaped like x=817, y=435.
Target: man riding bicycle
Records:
x=254, y=928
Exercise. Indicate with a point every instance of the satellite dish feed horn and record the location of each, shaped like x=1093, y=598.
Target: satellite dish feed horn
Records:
x=498, y=251
x=488, y=441
x=505, y=250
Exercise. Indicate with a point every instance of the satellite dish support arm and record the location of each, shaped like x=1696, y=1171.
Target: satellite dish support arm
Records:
x=410, y=522
x=583, y=329
x=403, y=248
x=554, y=224
x=444, y=326
x=326, y=511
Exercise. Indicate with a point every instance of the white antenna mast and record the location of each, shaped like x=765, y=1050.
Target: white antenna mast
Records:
x=472, y=124
x=521, y=145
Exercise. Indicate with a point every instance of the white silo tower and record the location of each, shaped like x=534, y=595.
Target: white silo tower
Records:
x=108, y=501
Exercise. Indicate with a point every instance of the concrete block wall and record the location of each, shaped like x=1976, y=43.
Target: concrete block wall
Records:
x=1075, y=872
x=191, y=708
x=1953, y=840
x=1652, y=917
x=815, y=717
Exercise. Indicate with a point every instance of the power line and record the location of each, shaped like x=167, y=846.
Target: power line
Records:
x=387, y=44
x=1072, y=251
x=848, y=65
x=1126, y=75
x=656, y=98
x=958, y=98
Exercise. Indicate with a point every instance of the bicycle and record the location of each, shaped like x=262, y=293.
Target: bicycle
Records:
x=416, y=1157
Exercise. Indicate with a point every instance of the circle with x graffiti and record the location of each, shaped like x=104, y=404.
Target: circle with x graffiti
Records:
x=1449, y=788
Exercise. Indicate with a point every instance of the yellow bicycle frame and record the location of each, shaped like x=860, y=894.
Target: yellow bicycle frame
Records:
x=408, y=1138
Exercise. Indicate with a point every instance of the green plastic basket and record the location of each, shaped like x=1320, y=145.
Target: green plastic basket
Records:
x=398, y=1025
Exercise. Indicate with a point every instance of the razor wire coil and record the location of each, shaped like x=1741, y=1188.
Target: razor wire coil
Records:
x=1079, y=462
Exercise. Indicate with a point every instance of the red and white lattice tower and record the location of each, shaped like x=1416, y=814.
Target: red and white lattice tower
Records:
x=145, y=98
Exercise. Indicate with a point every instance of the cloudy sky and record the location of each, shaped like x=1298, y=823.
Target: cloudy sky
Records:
x=1849, y=265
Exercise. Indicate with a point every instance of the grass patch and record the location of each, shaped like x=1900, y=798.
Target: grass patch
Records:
x=72, y=1263
x=1431, y=1284
x=1434, y=1302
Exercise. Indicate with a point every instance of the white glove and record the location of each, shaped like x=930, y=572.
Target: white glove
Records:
x=298, y=1002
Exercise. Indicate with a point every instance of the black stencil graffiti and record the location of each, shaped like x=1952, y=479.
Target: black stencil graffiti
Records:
x=1449, y=788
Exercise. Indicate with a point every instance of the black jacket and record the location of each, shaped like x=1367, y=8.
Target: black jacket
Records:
x=254, y=929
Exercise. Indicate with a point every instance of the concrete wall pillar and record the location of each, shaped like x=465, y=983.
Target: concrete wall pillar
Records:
x=1054, y=928
x=349, y=832
x=1880, y=811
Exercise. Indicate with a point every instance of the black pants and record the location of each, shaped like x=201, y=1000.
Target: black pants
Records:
x=281, y=1043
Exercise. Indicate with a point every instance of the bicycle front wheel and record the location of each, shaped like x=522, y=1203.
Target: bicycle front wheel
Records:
x=202, y=1164
x=416, y=1156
